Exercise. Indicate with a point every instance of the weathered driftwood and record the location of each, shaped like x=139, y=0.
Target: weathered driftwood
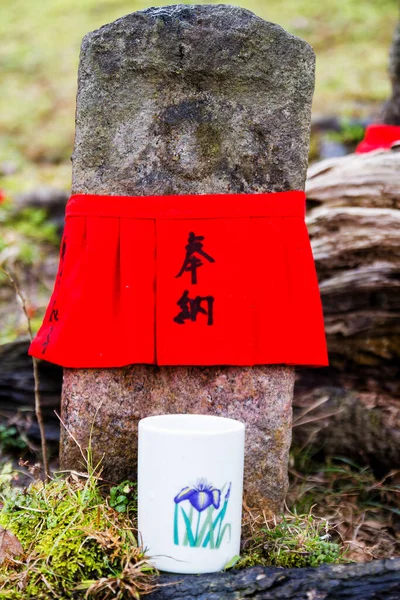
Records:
x=356, y=246
x=349, y=237
x=378, y=580
x=357, y=253
x=370, y=180
x=16, y=379
x=353, y=407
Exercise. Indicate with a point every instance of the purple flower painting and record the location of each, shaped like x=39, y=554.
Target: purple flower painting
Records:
x=200, y=496
x=204, y=526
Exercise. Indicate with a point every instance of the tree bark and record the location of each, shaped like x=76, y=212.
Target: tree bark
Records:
x=353, y=407
x=17, y=389
x=377, y=580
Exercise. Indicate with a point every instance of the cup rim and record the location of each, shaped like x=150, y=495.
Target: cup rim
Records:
x=191, y=424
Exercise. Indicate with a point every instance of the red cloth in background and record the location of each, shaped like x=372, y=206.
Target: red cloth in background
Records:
x=184, y=280
x=379, y=137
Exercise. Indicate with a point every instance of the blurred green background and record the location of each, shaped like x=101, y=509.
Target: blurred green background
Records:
x=39, y=54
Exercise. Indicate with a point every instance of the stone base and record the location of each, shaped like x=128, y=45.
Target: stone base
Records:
x=112, y=401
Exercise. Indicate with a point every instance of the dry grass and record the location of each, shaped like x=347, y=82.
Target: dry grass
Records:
x=336, y=512
x=133, y=581
x=363, y=509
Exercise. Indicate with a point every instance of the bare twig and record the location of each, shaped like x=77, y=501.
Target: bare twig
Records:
x=313, y=406
x=73, y=438
x=36, y=378
x=317, y=418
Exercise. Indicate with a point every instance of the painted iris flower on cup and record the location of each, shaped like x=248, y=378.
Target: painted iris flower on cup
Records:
x=198, y=509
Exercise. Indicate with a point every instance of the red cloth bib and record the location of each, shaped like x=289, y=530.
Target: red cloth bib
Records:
x=379, y=137
x=184, y=280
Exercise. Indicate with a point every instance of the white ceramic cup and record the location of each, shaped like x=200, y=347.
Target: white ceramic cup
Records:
x=190, y=485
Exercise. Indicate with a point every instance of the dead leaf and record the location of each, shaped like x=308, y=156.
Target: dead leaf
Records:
x=9, y=545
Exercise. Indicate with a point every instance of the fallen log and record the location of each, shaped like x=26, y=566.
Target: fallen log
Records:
x=339, y=421
x=369, y=180
x=17, y=385
x=345, y=238
x=377, y=580
x=352, y=408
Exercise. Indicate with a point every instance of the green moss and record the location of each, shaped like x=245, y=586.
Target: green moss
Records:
x=71, y=538
x=294, y=541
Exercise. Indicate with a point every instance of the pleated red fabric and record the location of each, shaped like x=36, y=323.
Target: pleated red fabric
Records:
x=184, y=280
x=379, y=137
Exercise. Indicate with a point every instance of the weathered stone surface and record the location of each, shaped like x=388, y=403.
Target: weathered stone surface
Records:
x=192, y=99
x=189, y=99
